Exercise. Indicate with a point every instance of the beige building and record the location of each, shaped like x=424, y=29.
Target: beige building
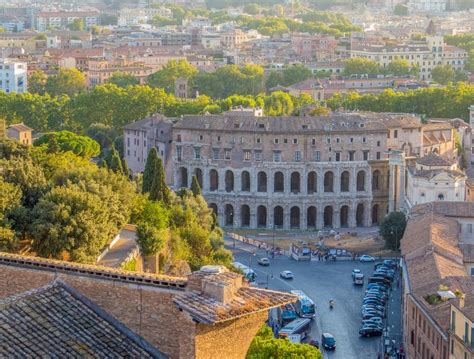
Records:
x=21, y=133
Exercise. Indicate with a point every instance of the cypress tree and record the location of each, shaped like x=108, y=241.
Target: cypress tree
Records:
x=53, y=146
x=149, y=173
x=159, y=190
x=195, y=187
x=115, y=163
x=126, y=170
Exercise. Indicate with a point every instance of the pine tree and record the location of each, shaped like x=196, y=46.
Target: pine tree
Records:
x=53, y=146
x=195, y=187
x=159, y=190
x=114, y=161
x=125, y=168
x=149, y=173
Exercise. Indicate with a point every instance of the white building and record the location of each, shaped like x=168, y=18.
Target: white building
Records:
x=13, y=76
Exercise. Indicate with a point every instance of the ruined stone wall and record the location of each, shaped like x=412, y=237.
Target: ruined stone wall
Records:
x=147, y=311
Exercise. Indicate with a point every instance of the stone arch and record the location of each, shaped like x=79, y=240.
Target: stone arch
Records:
x=182, y=177
x=376, y=180
x=295, y=217
x=198, y=174
x=229, y=215
x=213, y=180
x=312, y=182
x=261, y=216
x=213, y=206
x=278, y=217
x=229, y=181
x=328, y=216
x=361, y=181
x=344, y=214
x=360, y=215
x=245, y=216
x=295, y=182
x=262, y=182
x=311, y=215
x=328, y=182
x=279, y=182
x=375, y=214
x=345, y=178
x=245, y=181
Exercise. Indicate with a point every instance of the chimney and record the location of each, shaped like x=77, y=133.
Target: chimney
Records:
x=462, y=299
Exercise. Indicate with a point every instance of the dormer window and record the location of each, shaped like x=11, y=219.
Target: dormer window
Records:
x=236, y=125
x=261, y=125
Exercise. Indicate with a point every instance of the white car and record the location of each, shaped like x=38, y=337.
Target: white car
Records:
x=286, y=274
x=354, y=272
x=366, y=258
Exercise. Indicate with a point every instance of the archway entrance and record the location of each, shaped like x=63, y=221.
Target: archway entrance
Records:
x=229, y=215
x=295, y=217
x=278, y=217
x=262, y=216
x=328, y=216
x=360, y=215
x=311, y=217
x=245, y=216
x=344, y=216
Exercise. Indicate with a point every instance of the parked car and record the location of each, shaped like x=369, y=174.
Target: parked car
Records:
x=314, y=343
x=382, y=275
x=374, y=300
x=373, y=320
x=366, y=258
x=286, y=274
x=377, y=294
x=370, y=315
x=378, y=286
x=358, y=279
x=368, y=331
x=390, y=263
x=264, y=262
x=354, y=272
x=328, y=341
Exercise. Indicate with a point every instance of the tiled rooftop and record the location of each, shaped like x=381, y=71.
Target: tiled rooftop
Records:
x=54, y=322
x=445, y=208
x=433, y=159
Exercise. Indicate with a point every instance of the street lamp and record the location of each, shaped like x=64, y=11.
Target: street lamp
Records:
x=273, y=250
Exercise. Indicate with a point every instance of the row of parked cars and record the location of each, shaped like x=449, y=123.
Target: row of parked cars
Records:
x=376, y=298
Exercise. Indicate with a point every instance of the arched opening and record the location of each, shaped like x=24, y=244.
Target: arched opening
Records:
x=295, y=217
x=345, y=181
x=344, y=213
x=229, y=181
x=360, y=215
x=213, y=206
x=245, y=216
x=229, y=215
x=183, y=177
x=262, y=216
x=375, y=214
x=311, y=217
x=375, y=180
x=312, y=183
x=329, y=182
x=279, y=182
x=361, y=181
x=213, y=180
x=328, y=216
x=262, y=182
x=278, y=217
x=245, y=181
x=198, y=174
x=441, y=197
x=295, y=182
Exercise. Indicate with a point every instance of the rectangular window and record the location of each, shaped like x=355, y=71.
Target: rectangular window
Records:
x=218, y=138
x=295, y=141
x=366, y=155
x=258, y=155
x=466, y=332
x=275, y=141
x=128, y=141
x=313, y=141
x=247, y=155
x=297, y=156
x=259, y=140
x=378, y=143
x=285, y=140
x=179, y=152
x=227, y=154
x=215, y=154
x=453, y=320
x=197, y=153
x=338, y=156
x=276, y=156
x=395, y=134
x=317, y=156
x=378, y=155
x=351, y=155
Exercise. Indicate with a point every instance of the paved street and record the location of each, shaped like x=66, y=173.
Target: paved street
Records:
x=323, y=281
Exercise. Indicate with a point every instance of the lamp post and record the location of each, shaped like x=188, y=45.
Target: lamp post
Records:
x=273, y=240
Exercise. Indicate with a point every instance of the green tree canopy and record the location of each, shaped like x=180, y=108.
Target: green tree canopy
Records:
x=149, y=172
x=288, y=76
x=76, y=25
x=67, y=81
x=159, y=190
x=401, y=10
x=37, y=82
x=443, y=74
x=195, y=187
x=360, y=66
x=166, y=77
x=123, y=80
x=67, y=141
x=392, y=229
x=398, y=67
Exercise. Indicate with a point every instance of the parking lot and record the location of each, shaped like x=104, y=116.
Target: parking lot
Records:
x=323, y=281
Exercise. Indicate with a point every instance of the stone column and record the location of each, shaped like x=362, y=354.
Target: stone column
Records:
x=352, y=222
x=270, y=181
x=221, y=215
x=336, y=219
x=237, y=182
x=401, y=186
x=320, y=181
x=287, y=182
x=205, y=180
x=221, y=187
x=337, y=180
x=190, y=176
x=253, y=217
x=253, y=180
x=368, y=214
x=286, y=217
x=353, y=180
x=391, y=189
x=319, y=215
x=303, y=219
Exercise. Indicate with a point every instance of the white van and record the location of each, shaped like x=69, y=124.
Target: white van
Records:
x=358, y=279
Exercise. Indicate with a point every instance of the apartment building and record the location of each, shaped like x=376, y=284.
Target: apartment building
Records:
x=21, y=133
x=13, y=76
x=62, y=19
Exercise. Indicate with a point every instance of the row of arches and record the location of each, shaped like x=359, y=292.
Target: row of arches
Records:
x=294, y=216
x=279, y=181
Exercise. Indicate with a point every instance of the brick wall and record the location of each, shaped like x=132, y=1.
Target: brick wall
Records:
x=233, y=337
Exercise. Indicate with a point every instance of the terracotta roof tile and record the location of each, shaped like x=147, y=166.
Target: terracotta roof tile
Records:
x=433, y=159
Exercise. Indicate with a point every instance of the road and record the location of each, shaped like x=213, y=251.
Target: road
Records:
x=323, y=281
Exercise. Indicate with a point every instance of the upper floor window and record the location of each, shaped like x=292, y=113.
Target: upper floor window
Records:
x=247, y=155
x=215, y=153
x=197, y=153
x=298, y=156
x=276, y=156
x=179, y=152
x=227, y=154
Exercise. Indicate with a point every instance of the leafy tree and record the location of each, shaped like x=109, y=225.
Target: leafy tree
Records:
x=398, y=67
x=266, y=346
x=166, y=77
x=195, y=187
x=95, y=30
x=443, y=74
x=114, y=162
x=102, y=134
x=359, y=65
x=278, y=103
x=159, y=190
x=126, y=169
x=67, y=81
x=400, y=10
x=123, y=80
x=149, y=172
x=392, y=229
x=53, y=146
x=252, y=9
x=288, y=76
x=37, y=82
x=67, y=141
x=76, y=25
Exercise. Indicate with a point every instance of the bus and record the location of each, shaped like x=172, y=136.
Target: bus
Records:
x=305, y=307
x=299, y=326
x=288, y=313
x=249, y=273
